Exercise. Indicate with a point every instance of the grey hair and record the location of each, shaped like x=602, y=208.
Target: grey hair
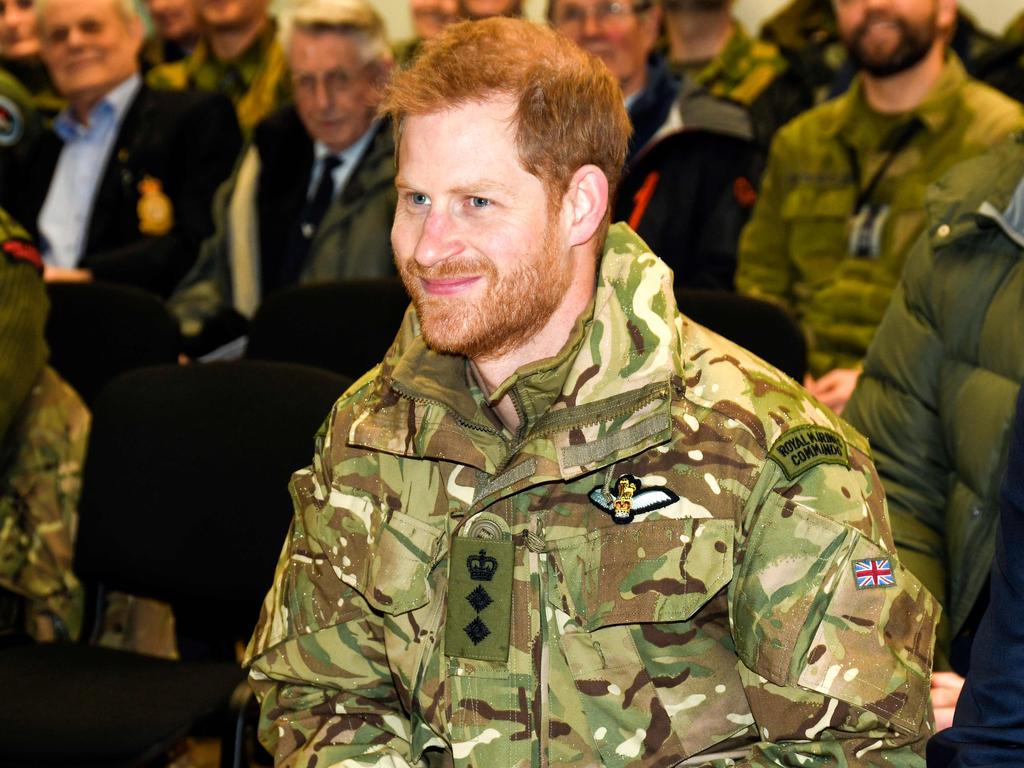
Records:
x=127, y=9
x=352, y=17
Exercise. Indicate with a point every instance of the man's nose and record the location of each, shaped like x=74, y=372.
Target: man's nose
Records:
x=322, y=95
x=438, y=239
x=591, y=24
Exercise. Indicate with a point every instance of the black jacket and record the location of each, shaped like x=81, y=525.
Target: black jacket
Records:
x=187, y=141
x=688, y=195
x=988, y=727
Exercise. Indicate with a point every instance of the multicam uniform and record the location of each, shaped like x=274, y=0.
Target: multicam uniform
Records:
x=256, y=81
x=43, y=430
x=843, y=199
x=448, y=585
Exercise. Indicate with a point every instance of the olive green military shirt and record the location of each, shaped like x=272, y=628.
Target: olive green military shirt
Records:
x=20, y=123
x=23, y=309
x=677, y=556
x=842, y=200
x=35, y=78
x=256, y=81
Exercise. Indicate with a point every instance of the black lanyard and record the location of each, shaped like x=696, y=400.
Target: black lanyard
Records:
x=896, y=142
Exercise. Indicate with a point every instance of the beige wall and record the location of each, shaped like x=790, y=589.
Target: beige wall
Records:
x=993, y=14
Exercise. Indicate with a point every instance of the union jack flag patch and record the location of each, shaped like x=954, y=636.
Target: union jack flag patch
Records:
x=870, y=573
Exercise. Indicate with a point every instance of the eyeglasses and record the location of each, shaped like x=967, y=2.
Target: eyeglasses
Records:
x=575, y=16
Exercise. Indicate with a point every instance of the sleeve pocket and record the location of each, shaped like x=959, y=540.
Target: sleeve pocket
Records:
x=397, y=565
x=802, y=618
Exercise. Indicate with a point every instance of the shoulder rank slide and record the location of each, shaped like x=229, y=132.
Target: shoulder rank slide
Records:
x=479, y=599
x=807, y=446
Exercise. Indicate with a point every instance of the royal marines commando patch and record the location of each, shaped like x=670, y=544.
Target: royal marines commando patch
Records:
x=807, y=446
x=479, y=599
x=629, y=500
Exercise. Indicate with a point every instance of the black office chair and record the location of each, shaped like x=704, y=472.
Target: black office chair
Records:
x=184, y=500
x=344, y=326
x=764, y=328
x=97, y=330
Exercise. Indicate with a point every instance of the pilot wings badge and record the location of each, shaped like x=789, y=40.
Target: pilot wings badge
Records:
x=629, y=500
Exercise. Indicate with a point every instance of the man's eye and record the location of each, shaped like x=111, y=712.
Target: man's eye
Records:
x=479, y=202
x=418, y=198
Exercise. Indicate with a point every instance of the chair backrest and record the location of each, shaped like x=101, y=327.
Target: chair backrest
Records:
x=764, y=328
x=96, y=331
x=185, y=488
x=343, y=326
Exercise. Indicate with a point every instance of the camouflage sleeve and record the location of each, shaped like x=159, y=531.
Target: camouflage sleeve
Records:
x=764, y=268
x=834, y=635
x=318, y=662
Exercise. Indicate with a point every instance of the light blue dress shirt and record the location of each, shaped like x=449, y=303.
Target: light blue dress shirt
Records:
x=350, y=157
x=64, y=218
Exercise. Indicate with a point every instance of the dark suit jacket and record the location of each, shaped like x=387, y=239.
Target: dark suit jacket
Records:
x=286, y=162
x=186, y=140
x=988, y=727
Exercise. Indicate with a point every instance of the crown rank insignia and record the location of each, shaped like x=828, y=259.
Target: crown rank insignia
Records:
x=631, y=499
x=481, y=567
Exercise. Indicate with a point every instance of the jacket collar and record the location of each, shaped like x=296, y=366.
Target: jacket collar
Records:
x=859, y=124
x=984, y=192
x=209, y=73
x=610, y=381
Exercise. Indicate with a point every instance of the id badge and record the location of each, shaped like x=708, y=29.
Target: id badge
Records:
x=479, y=599
x=866, y=228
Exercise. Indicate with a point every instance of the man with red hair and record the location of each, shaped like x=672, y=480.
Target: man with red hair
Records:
x=560, y=523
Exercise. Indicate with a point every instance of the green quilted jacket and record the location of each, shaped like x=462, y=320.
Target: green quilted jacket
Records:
x=940, y=379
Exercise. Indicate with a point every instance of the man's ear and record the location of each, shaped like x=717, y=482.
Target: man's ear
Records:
x=946, y=15
x=585, y=204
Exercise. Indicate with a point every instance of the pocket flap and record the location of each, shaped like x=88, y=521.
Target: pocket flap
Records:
x=661, y=570
x=397, y=565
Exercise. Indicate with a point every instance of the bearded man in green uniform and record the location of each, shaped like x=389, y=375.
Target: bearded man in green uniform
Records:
x=842, y=198
x=561, y=523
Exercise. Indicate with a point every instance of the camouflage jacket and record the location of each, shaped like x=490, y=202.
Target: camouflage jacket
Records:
x=744, y=68
x=750, y=73
x=721, y=625
x=256, y=81
x=43, y=430
x=842, y=200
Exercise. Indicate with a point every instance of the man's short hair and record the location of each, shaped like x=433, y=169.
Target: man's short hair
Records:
x=126, y=9
x=353, y=17
x=569, y=106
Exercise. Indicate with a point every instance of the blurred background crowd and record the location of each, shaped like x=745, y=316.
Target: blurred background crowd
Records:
x=837, y=185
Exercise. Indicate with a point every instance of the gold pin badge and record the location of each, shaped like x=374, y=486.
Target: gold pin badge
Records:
x=156, y=213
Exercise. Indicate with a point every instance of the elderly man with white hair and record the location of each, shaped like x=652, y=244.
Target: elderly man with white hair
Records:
x=313, y=196
x=119, y=189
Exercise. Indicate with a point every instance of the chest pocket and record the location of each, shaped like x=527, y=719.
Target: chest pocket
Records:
x=816, y=220
x=393, y=575
x=654, y=685
x=662, y=570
